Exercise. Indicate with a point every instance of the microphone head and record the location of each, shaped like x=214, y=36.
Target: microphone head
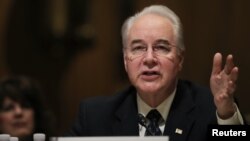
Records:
x=4, y=137
x=39, y=137
x=13, y=138
x=142, y=120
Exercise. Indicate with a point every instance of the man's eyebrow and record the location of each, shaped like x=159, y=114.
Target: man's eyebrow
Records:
x=136, y=41
x=164, y=41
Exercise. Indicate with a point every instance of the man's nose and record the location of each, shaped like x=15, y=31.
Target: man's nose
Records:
x=150, y=58
x=149, y=53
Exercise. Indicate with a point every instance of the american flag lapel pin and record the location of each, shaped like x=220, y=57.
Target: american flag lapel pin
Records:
x=178, y=131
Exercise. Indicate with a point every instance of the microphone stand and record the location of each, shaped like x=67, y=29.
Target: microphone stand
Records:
x=143, y=121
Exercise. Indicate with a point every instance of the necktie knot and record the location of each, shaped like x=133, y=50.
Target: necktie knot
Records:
x=153, y=128
x=154, y=116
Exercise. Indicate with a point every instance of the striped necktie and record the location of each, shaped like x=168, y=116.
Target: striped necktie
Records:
x=153, y=128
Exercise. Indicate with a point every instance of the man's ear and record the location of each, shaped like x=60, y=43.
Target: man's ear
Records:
x=125, y=61
x=181, y=63
x=181, y=60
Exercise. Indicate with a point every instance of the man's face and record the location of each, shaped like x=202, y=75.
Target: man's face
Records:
x=151, y=57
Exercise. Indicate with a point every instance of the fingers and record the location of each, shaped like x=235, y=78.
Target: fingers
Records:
x=230, y=69
x=217, y=63
x=231, y=88
x=234, y=74
x=229, y=64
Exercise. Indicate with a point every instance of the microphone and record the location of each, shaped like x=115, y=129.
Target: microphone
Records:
x=143, y=121
x=39, y=137
x=4, y=137
x=14, y=139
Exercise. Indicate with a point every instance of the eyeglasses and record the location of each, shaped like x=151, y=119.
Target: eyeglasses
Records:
x=138, y=49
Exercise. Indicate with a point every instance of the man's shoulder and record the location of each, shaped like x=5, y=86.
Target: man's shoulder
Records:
x=198, y=92
x=109, y=101
x=192, y=86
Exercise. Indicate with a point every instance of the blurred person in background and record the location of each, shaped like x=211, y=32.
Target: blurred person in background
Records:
x=22, y=109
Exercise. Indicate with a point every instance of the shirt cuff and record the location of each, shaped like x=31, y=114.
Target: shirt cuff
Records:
x=236, y=119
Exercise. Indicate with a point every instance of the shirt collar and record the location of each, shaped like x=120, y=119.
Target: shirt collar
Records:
x=163, y=108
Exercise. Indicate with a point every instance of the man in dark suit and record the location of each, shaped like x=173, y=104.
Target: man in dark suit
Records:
x=153, y=56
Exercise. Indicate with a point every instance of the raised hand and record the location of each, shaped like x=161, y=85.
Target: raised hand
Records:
x=223, y=85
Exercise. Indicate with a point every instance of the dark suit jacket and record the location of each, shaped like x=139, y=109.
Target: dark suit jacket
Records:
x=192, y=110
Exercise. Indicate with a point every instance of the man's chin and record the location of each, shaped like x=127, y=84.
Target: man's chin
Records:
x=149, y=89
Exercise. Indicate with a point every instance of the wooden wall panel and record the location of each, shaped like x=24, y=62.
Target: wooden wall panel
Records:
x=71, y=74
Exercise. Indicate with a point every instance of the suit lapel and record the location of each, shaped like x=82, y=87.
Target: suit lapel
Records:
x=126, y=123
x=180, y=119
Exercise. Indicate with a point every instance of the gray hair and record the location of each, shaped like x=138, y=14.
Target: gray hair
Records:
x=161, y=11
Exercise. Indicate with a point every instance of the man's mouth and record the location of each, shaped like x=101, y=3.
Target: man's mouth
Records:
x=150, y=75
